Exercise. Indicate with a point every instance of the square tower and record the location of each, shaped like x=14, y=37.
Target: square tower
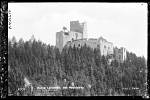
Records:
x=81, y=28
x=84, y=25
x=120, y=54
x=75, y=26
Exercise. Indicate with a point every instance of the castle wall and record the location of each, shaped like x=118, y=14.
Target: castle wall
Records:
x=63, y=37
x=120, y=54
x=93, y=43
x=77, y=43
x=84, y=29
x=106, y=47
x=66, y=38
x=75, y=38
x=110, y=48
x=71, y=37
x=75, y=35
x=77, y=30
x=123, y=53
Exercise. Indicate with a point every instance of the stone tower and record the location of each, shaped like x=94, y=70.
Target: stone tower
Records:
x=77, y=31
x=120, y=54
x=84, y=25
x=75, y=26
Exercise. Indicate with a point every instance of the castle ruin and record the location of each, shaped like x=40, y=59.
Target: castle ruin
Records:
x=77, y=36
x=77, y=31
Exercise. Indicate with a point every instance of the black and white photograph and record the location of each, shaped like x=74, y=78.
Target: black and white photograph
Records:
x=77, y=49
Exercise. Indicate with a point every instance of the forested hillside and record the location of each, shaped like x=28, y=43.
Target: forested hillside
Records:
x=45, y=65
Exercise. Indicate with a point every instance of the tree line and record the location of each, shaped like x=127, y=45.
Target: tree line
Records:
x=45, y=65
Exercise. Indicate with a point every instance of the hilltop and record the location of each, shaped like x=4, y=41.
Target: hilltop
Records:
x=44, y=65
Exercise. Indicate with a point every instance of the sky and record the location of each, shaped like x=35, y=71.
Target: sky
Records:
x=123, y=24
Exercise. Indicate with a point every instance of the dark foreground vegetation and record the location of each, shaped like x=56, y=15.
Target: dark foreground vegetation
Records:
x=44, y=65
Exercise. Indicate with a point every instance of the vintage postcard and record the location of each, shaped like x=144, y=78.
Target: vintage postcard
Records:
x=77, y=49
